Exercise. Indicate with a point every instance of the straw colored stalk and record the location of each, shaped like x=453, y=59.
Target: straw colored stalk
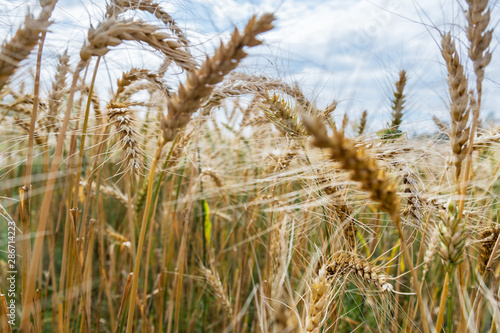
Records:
x=451, y=250
x=200, y=83
x=109, y=33
x=480, y=55
x=24, y=41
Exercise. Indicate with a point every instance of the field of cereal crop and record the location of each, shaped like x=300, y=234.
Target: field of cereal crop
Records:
x=204, y=195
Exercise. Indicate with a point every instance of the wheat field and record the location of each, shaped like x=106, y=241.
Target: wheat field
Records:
x=198, y=197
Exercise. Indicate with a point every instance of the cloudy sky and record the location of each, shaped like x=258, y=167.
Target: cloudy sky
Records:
x=350, y=51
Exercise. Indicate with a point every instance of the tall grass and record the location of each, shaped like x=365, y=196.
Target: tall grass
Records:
x=233, y=203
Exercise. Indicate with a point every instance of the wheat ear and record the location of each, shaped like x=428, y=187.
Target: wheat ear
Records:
x=362, y=123
x=344, y=263
x=319, y=300
x=24, y=41
x=120, y=115
x=459, y=110
x=373, y=179
x=200, y=83
x=119, y=6
x=57, y=92
x=364, y=169
x=478, y=18
x=279, y=112
x=112, y=32
x=213, y=280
